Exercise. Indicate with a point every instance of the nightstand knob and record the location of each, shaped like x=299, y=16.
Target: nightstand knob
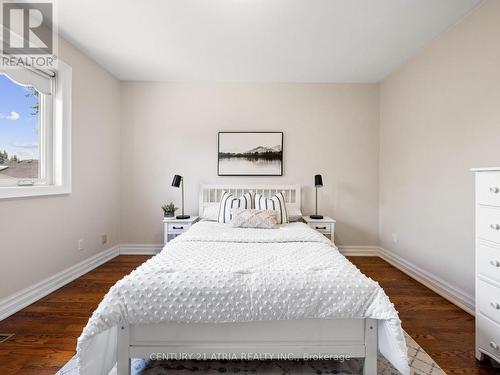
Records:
x=495, y=305
x=494, y=190
x=177, y=227
x=324, y=228
x=495, y=226
x=495, y=263
x=494, y=345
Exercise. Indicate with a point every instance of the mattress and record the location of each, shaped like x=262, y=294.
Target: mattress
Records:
x=216, y=273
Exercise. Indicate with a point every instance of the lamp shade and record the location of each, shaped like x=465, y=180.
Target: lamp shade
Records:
x=318, y=180
x=176, y=182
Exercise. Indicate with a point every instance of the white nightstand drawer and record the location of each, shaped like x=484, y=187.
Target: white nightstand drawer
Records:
x=488, y=188
x=321, y=227
x=177, y=228
x=488, y=223
x=325, y=226
x=488, y=300
x=488, y=261
x=174, y=227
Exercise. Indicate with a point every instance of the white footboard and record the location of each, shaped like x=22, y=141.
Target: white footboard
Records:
x=335, y=338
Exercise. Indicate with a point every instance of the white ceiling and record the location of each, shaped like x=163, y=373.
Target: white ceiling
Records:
x=255, y=40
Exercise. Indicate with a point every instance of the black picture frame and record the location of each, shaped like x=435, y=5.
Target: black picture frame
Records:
x=267, y=155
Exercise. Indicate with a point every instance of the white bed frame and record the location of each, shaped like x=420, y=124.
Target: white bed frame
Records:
x=210, y=194
x=309, y=338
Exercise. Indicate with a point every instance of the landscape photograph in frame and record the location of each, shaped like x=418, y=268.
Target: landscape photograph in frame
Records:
x=250, y=154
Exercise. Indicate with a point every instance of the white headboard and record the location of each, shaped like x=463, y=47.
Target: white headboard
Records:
x=210, y=194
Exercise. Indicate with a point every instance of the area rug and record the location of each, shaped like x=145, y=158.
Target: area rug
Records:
x=420, y=364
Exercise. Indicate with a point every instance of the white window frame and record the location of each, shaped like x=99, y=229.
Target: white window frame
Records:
x=55, y=143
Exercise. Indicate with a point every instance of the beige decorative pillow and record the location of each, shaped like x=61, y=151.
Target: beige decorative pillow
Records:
x=245, y=218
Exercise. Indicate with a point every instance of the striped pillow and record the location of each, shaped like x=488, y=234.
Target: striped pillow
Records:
x=228, y=202
x=277, y=203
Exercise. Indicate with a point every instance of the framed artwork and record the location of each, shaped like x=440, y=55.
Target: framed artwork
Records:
x=250, y=154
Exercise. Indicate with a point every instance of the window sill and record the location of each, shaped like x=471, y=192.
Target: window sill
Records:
x=32, y=191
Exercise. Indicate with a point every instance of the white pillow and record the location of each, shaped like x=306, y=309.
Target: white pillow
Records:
x=294, y=213
x=211, y=213
x=228, y=202
x=276, y=203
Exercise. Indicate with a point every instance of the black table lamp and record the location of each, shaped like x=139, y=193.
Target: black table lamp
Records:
x=318, y=182
x=176, y=182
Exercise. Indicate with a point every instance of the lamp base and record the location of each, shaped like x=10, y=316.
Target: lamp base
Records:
x=182, y=217
x=316, y=216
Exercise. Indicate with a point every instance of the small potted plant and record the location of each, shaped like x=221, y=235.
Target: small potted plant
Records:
x=169, y=209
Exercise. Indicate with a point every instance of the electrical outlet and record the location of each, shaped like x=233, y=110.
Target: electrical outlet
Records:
x=394, y=238
x=80, y=245
x=104, y=239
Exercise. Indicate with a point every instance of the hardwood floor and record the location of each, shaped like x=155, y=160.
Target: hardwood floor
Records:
x=46, y=332
x=443, y=330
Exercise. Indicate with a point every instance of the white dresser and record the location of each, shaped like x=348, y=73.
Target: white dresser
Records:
x=488, y=263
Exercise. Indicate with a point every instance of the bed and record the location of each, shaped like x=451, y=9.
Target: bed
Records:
x=217, y=292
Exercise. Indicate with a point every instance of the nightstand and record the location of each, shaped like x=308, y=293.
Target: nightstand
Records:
x=325, y=226
x=173, y=227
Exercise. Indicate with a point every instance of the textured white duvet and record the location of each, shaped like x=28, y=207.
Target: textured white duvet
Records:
x=216, y=273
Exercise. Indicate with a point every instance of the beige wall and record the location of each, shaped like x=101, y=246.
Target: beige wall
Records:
x=330, y=129
x=432, y=120
x=39, y=235
x=440, y=116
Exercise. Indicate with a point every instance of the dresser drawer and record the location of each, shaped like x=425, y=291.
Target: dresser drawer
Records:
x=488, y=300
x=488, y=261
x=321, y=227
x=488, y=336
x=488, y=223
x=488, y=188
x=178, y=227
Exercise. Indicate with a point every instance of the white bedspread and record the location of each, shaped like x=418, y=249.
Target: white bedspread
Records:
x=216, y=273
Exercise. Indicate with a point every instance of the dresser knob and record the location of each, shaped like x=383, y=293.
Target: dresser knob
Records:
x=495, y=305
x=494, y=345
x=495, y=263
x=494, y=190
x=495, y=226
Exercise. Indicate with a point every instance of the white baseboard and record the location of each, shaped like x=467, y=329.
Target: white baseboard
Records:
x=367, y=251
x=17, y=301
x=27, y=296
x=454, y=295
x=444, y=289
x=145, y=249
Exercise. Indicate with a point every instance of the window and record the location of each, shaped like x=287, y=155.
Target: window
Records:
x=34, y=132
x=25, y=128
